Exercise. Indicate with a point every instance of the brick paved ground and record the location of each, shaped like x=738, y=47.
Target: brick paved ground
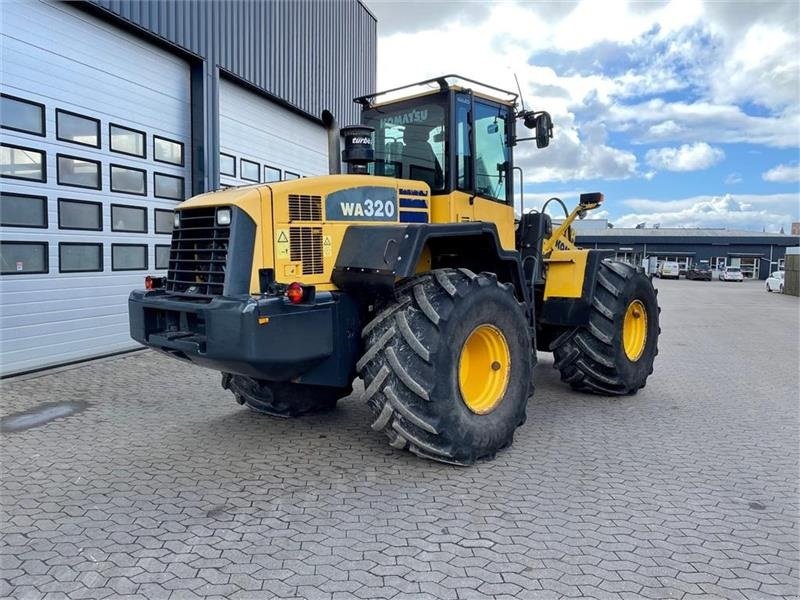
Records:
x=164, y=488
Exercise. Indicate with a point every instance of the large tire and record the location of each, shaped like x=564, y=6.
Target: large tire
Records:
x=593, y=358
x=411, y=366
x=282, y=398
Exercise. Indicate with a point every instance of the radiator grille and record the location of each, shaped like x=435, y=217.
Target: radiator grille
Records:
x=305, y=208
x=305, y=245
x=198, y=254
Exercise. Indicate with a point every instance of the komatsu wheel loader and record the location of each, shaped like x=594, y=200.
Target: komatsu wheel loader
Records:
x=412, y=270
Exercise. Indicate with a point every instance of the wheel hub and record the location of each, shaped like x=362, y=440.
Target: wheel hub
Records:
x=634, y=330
x=484, y=369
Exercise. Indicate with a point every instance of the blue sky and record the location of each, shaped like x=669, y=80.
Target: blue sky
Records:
x=685, y=114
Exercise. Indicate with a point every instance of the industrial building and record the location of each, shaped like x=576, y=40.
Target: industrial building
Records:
x=757, y=254
x=115, y=111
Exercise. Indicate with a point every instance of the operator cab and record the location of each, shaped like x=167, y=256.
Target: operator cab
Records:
x=453, y=133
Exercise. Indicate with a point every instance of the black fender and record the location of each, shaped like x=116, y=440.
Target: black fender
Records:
x=372, y=258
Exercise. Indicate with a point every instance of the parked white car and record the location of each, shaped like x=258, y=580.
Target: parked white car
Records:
x=731, y=274
x=775, y=282
x=669, y=270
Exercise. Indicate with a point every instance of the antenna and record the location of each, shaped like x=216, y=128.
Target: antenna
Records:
x=519, y=89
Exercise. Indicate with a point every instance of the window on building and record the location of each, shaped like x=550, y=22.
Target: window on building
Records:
x=164, y=220
x=80, y=214
x=23, y=210
x=227, y=165
x=128, y=257
x=250, y=170
x=78, y=129
x=17, y=162
x=289, y=175
x=78, y=172
x=21, y=115
x=167, y=151
x=23, y=258
x=76, y=257
x=271, y=174
x=168, y=186
x=125, y=140
x=128, y=218
x=162, y=257
x=128, y=180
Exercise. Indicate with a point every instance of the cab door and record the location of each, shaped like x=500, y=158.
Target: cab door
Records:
x=484, y=162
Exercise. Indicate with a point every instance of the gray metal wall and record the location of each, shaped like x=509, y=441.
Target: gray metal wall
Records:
x=312, y=55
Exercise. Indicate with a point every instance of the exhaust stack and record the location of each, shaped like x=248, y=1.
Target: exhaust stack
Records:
x=334, y=142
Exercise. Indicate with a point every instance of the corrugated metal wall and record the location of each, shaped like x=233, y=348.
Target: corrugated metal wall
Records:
x=313, y=54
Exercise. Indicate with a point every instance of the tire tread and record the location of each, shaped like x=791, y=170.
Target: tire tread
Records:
x=585, y=356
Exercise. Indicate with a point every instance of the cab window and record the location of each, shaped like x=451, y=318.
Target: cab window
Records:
x=491, y=151
x=463, y=154
x=410, y=142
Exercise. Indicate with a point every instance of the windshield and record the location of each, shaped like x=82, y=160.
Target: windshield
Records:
x=733, y=269
x=409, y=141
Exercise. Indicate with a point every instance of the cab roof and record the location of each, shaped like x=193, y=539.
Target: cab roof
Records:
x=436, y=85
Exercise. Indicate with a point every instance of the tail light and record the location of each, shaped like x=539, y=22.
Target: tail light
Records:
x=154, y=283
x=295, y=293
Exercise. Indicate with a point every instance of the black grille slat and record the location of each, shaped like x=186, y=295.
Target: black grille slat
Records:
x=198, y=254
x=305, y=245
x=305, y=208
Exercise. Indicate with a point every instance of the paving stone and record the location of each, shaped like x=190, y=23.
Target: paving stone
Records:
x=686, y=490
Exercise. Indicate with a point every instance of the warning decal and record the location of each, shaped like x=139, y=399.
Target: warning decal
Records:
x=327, y=246
x=282, y=244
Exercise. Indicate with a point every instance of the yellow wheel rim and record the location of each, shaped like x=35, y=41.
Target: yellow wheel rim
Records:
x=484, y=369
x=634, y=330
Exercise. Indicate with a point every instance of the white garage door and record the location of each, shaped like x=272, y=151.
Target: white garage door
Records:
x=95, y=154
x=261, y=141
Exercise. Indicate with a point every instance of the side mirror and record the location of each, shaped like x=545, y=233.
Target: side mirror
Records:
x=544, y=130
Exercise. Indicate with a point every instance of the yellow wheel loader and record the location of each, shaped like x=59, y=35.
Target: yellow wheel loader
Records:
x=412, y=270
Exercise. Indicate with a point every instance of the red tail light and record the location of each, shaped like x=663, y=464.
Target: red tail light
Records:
x=148, y=283
x=295, y=293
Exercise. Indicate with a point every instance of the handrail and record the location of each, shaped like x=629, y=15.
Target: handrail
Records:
x=444, y=83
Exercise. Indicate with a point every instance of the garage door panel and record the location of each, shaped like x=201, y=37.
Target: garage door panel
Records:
x=118, y=48
x=76, y=308
x=78, y=285
x=256, y=129
x=62, y=330
x=32, y=358
x=88, y=67
x=140, y=109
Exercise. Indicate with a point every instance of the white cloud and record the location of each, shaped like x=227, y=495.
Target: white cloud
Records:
x=689, y=157
x=733, y=179
x=576, y=152
x=656, y=120
x=761, y=67
x=752, y=212
x=575, y=155
x=783, y=173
